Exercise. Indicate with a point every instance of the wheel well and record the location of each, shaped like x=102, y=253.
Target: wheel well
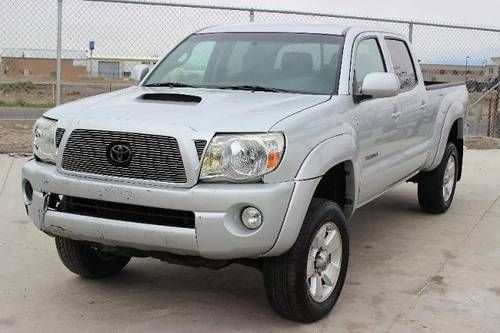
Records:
x=337, y=185
x=456, y=136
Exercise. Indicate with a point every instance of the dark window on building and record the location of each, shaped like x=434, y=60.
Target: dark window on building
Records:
x=403, y=63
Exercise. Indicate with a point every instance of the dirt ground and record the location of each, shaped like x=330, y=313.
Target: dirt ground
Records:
x=481, y=142
x=43, y=94
x=15, y=136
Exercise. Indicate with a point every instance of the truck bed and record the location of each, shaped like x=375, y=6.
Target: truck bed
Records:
x=432, y=85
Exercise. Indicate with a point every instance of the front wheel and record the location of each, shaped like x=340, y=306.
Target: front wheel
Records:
x=304, y=283
x=87, y=261
x=436, y=188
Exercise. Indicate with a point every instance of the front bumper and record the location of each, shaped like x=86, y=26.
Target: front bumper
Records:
x=218, y=232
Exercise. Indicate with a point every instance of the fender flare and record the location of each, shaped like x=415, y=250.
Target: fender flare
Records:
x=322, y=158
x=455, y=112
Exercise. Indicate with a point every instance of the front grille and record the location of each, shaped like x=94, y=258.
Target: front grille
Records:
x=154, y=157
x=200, y=147
x=122, y=212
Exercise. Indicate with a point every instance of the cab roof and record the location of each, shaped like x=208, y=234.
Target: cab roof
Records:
x=328, y=29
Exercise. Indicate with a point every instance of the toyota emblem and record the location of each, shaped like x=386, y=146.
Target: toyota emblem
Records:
x=119, y=154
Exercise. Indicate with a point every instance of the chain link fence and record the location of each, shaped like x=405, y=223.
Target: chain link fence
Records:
x=103, y=40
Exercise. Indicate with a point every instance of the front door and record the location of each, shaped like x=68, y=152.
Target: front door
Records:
x=377, y=124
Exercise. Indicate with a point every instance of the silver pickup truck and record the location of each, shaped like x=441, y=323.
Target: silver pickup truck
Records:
x=249, y=144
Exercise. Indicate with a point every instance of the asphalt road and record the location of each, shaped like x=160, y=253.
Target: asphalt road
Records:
x=408, y=272
x=21, y=113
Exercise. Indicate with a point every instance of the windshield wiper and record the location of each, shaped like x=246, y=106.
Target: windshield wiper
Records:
x=252, y=88
x=170, y=85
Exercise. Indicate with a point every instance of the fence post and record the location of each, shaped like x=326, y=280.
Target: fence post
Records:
x=479, y=117
x=252, y=15
x=496, y=110
x=410, y=32
x=59, y=50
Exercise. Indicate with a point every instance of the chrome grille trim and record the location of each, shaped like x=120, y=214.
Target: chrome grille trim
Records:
x=154, y=157
x=200, y=147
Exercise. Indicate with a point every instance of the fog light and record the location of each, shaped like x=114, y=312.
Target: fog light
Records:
x=251, y=218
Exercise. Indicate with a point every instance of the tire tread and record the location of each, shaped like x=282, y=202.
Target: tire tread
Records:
x=281, y=280
x=82, y=260
x=430, y=197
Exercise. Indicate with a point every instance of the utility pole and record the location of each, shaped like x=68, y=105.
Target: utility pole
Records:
x=410, y=32
x=496, y=118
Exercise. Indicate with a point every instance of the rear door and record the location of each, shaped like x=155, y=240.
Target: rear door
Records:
x=416, y=120
x=376, y=120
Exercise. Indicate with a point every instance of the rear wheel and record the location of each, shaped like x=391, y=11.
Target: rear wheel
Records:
x=87, y=261
x=436, y=188
x=305, y=283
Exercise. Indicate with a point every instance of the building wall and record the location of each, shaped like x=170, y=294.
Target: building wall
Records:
x=125, y=66
x=451, y=73
x=71, y=70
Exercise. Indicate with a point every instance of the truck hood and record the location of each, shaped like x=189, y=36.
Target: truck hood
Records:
x=156, y=110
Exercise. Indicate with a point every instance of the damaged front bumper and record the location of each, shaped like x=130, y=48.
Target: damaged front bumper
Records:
x=217, y=232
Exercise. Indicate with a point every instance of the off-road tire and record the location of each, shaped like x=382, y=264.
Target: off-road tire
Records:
x=430, y=185
x=87, y=261
x=285, y=276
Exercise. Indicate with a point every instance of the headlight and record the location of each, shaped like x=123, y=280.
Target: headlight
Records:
x=242, y=158
x=44, y=140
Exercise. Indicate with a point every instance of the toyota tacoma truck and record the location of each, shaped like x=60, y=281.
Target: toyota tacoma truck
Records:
x=250, y=144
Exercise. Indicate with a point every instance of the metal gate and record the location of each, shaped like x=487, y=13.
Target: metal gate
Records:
x=109, y=70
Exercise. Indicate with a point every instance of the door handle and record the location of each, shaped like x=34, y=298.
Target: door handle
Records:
x=396, y=115
x=423, y=106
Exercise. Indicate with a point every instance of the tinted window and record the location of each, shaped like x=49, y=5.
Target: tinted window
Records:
x=403, y=64
x=301, y=63
x=368, y=60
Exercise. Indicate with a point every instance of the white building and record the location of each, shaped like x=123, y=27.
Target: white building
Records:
x=115, y=68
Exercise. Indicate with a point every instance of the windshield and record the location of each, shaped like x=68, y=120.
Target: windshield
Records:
x=276, y=62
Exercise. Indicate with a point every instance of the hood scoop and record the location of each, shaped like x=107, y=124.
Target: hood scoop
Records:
x=167, y=97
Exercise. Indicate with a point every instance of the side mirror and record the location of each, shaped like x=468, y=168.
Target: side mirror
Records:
x=139, y=72
x=380, y=85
